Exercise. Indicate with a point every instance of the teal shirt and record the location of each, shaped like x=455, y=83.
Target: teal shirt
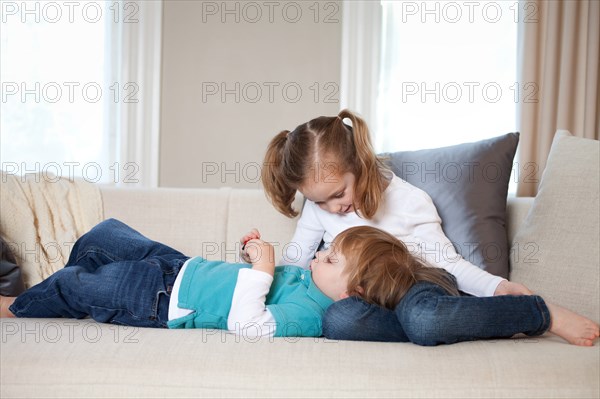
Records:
x=207, y=288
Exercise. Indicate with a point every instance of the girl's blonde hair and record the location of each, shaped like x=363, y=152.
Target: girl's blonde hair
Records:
x=380, y=268
x=291, y=155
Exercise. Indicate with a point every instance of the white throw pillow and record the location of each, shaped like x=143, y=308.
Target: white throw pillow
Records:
x=556, y=251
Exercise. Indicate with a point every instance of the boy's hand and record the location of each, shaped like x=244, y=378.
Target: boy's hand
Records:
x=261, y=255
x=511, y=288
x=253, y=234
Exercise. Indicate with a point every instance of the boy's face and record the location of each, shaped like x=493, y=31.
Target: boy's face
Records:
x=328, y=273
x=333, y=192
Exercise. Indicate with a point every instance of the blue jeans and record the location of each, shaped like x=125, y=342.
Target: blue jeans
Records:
x=114, y=275
x=428, y=316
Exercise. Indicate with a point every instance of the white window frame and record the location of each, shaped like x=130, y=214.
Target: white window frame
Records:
x=134, y=128
x=361, y=58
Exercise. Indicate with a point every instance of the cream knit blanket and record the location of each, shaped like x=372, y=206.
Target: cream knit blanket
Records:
x=41, y=217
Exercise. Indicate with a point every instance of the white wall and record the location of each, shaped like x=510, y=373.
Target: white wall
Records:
x=202, y=135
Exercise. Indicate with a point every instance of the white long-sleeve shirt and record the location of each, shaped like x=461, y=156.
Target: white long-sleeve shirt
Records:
x=409, y=214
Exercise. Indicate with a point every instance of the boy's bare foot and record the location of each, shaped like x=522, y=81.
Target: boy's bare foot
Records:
x=5, y=302
x=572, y=327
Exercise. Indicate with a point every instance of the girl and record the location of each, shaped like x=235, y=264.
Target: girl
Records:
x=345, y=184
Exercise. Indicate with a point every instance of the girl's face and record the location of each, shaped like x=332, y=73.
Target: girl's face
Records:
x=328, y=273
x=333, y=193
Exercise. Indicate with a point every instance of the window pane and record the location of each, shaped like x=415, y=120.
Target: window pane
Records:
x=448, y=73
x=53, y=89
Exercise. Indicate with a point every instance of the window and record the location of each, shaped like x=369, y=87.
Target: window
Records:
x=80, y=89
x=447, y=74
x=53, y=90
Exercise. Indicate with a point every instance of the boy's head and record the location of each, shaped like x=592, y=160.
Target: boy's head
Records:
x=370, y=263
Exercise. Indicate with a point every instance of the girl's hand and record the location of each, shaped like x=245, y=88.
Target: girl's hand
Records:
x=511, y=288
x=252, y=235
x=261, y=255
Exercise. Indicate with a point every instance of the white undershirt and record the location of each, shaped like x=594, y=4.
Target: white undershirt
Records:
x=248, y=315
x=408, y=213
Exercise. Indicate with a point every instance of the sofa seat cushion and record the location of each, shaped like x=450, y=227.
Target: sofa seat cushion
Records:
x=81, y=358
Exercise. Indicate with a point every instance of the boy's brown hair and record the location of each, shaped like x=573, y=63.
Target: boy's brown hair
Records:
x=380, y=268
x=292, y=157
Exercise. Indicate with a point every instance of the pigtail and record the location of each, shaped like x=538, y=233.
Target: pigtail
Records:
x=370, y=180
x=276, y=186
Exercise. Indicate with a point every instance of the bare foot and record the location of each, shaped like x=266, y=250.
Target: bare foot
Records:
x=572, y=327
x=5, y=302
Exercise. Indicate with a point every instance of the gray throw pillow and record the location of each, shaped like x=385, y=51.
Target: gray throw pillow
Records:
x=468, y=184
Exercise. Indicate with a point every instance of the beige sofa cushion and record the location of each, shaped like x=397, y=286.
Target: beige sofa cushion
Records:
x=80, y=359
x=558, y=254
x=189, y=220
x=200, y=222
x=517, y=209
x=249, y=208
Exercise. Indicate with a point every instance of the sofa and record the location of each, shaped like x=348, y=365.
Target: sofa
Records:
x=63, y=358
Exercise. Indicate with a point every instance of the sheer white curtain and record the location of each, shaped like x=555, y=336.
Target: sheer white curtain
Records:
x=447, y=73
x=80, y=89
x=361, y=55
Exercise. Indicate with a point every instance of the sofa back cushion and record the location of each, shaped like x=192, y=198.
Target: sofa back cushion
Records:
x=189, y=220
x=200, y=222
x=556, y=252
x=250, y=208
